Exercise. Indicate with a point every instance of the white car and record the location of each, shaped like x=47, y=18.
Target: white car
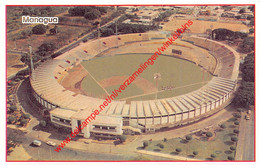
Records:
x=247, y=117
x=51, y=143
x=88, y=141
x=37, y=143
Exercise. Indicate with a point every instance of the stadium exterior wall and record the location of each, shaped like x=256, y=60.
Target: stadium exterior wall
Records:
x=170, y=112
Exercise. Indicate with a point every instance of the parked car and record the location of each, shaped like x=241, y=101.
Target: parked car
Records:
x=37, y=143
x=50, y=143
x=247, y=117
x=88, y=141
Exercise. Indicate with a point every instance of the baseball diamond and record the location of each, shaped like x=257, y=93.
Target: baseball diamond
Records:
x=191, y=79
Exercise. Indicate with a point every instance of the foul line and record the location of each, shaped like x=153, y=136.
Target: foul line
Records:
x=95, y=80
x=162, y=91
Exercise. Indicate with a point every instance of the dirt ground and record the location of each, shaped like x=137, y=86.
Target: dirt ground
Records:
x=202, y=26
x=73, y=80
x=13, y=64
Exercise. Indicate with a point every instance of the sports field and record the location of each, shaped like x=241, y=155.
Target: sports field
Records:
x=177, y=77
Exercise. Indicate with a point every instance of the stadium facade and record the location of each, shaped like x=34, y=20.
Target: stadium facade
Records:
x=69, y=110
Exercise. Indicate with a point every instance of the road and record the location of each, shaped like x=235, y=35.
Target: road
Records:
x=47, y=153
x=76, y=150
x=245, y=146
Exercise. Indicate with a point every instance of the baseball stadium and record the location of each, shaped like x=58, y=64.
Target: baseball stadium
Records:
x=189, y=81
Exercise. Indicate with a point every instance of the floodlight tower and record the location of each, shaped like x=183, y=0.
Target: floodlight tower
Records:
x=116, y=29
x=31, y=60
x=15, y=44
x=98, y=30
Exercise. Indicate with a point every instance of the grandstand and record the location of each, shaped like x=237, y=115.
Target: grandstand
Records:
x=68, y=109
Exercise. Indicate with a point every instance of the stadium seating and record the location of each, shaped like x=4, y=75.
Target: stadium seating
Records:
x=46, y=79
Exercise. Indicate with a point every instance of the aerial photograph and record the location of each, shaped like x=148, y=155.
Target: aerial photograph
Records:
x=161, y=83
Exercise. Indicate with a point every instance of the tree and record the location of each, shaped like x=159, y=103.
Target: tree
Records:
x=45, y=49
x=24, y=122
x=85, y=40
x=43, y=123
x=236, y=122
x=208, y=32
x=247, y=45
x=26, y=12
x=232, y=148
x=13, y=108
x=94, y=14
x=234, y=139
x=27, y=116
x=145, y=144
x=195, y=153
x=237, y=115
x=238, y=17
x=239, y=110
x=133, y=28
x=223, y=126
x=209, y=134
x=231, y=158
x=25, y=58
x=11, y=119
x=160, y=145
x=236, y=131
x=79, y=10
x=39, y=29
x=213, y=156
x=252, y=22
x=102, y=10
x=245, y=95
x=106, y=32
x=248, y=68
x=251, y=8
x=241, y=35
x=122, y=138
x=54, y=30
x=241, y=11
x=222, y=34
x=48, y=46
x=25, y=33
x=188, y=137
x=178, y=150
x=252, y=30
x=96, y=23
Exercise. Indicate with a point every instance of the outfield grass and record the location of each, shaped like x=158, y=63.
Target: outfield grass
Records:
x=183, y=75
x=220, y=145
x=131, y=90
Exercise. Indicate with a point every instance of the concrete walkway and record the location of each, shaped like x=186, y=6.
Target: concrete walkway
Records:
x=174, y=157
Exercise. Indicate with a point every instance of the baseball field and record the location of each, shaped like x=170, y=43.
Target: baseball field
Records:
x=174, y=77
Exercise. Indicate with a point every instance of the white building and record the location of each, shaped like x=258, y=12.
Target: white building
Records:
x=103, y=126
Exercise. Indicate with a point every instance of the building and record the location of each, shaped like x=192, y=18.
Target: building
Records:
x=108, y=127
x=69, y=110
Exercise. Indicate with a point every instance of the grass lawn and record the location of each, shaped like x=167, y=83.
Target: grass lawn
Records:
x=219, y=145
x=183, y=75
x=131, y=90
